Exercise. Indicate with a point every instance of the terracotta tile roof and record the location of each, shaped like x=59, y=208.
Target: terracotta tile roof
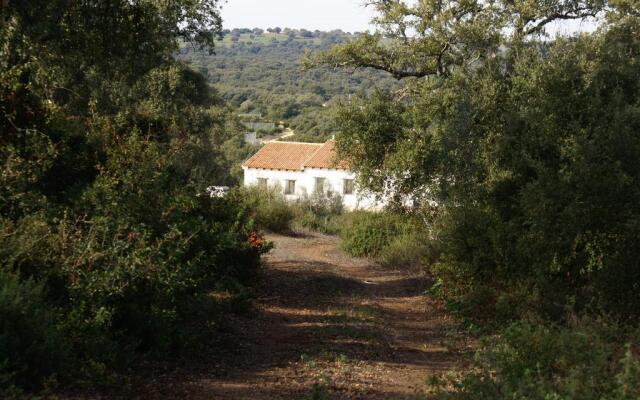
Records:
x=295, y=156
x=282, y=155
x=326, y=157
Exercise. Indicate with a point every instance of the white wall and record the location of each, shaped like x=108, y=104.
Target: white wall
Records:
x=251, y=138
x=305, y=184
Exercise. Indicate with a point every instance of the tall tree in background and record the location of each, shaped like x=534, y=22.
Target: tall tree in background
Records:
x=89, y=60
x=528, y=143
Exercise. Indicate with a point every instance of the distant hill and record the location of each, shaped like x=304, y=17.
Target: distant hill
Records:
x=256, y=70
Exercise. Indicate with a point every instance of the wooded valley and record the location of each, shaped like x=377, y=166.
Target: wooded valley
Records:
x=256, y=70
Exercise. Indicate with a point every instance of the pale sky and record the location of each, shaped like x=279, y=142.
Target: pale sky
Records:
x=324, y=15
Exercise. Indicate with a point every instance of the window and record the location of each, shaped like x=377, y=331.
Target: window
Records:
x=347, y=187
x=262, y=182
x=290, y=187
x=320, y=185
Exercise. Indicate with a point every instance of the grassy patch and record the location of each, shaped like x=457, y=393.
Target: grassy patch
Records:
x=358, y=314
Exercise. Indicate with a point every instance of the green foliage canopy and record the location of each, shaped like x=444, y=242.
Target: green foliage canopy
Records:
x=529, y=145
x=108, y=248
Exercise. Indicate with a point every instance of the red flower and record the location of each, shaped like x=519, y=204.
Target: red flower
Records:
x=254, y=241
x=132, y=236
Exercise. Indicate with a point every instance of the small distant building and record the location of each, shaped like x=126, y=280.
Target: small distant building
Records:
x=251, y=115
x=258, y=126
x=252, y=138
x=302, y=169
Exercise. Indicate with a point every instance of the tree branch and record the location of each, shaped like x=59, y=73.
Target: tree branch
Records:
x=570, y=15
x=396, y=73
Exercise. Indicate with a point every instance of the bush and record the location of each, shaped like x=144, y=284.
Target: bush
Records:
x=407, y=250
x=397, y=239
x=268, y=206
x=319, y=213
x=586, y=360
x=271, y=211
x=367, y=234
x=107, y=250
x=31, y=345
x=127, y=276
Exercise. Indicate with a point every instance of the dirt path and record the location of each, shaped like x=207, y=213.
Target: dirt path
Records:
x=326, y=326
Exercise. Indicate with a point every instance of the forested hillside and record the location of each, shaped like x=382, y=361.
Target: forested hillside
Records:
x=254, y=70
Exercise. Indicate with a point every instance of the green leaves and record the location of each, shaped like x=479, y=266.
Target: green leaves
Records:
x=529, y=147
x=369, y=132
x=436, y=38
x=106, y=143
x=546, y=361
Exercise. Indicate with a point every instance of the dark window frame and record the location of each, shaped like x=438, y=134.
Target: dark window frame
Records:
x=290, y=187
x=348, y=186
x=319, y=188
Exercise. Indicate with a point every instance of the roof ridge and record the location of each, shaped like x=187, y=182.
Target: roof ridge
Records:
x=290, y=156
x=284, y=141
x=325, y=157
x=304, y=163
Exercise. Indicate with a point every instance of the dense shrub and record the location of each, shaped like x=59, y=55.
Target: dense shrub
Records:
x=531, y=156
x=367, y=234
x=271, y=211
x=407, y=250
x=268, y=206
x=396, y=239
x=586, y=360
x=130, y=277
x=108, y=250
x=318, y=213
x=32, y=346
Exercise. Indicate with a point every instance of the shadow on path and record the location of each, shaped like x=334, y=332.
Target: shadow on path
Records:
x=346, y=327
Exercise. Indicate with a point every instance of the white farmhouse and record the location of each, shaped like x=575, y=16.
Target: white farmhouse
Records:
x=305, y=168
